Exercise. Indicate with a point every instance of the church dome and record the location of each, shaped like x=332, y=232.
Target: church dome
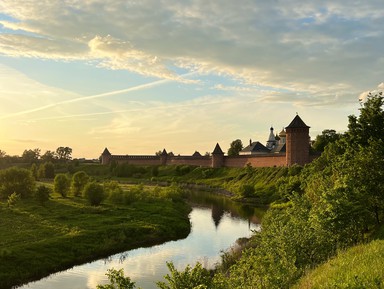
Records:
x=282, y=133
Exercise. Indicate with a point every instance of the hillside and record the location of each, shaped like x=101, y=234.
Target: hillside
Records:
x=358, y=267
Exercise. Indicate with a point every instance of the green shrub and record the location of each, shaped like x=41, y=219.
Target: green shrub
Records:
x=16, y=180
x=247, y=190
x=115, y=193
x=61, y=184
x=190, y=278
x=12, y=199
x=94, y=193
x=42, y=194
x=79, y=180
x=117, y=280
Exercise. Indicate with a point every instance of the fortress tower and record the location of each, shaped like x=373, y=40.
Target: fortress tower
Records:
x=297, y=142
x=105, y=157
x=217, y=157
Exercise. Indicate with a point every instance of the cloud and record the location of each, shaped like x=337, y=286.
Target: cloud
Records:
x=292, y=45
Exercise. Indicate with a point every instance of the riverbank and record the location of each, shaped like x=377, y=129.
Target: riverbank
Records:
x=37, y=241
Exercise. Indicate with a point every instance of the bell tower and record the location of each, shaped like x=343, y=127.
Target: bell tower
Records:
x=297, y=142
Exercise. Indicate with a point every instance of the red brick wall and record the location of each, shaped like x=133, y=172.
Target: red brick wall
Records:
x=192, y=161
x=255, y=161
x=235, y=161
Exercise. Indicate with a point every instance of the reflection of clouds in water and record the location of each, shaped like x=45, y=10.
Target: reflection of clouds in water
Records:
x=146, y=266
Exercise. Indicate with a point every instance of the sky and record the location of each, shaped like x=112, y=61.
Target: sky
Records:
x=140, y=76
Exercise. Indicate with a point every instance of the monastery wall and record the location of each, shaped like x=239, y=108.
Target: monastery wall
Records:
x=255, y=161
x=137, y=160
x=202, y=161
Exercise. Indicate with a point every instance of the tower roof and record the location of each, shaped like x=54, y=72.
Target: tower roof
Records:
x=106, y=152
x=217, y=149
x=255, y=147
x=297, y=122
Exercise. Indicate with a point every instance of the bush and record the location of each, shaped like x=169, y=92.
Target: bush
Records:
x=46, y=170
x=94, y=193
x=42, y=194
x=115, y=192
x=61, y=184
x=79, y=180
x=117, y=280
x=16, y=180
x=247, y=190
x=12, y=199
x=190, y=278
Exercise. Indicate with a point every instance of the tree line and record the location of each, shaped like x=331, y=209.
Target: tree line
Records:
x=34, y=155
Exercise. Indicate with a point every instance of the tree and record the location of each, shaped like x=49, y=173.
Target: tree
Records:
x=117, y=280
x=327, y=136
x=64, y=153
x=235, y=148
x=79, y=180
x=42, y=194
x=2, y=154
x=34, y=171
x=370, y=123
x=94, y=193
x=61, y=184
x=48, y=156
x=49, y=170
x=16, y=180
x=30, y=156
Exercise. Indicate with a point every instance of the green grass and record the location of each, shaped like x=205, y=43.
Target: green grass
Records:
x=360, y=267
x=36, y=240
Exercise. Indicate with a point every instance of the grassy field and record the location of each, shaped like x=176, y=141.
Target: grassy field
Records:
x=36, y=240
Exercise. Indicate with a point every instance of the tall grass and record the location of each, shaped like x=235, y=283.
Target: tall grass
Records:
x=360, y=267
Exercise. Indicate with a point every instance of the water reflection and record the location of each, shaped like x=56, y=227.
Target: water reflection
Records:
x=216, y=224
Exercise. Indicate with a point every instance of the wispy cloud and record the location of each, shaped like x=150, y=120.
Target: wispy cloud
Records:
x=90, y=97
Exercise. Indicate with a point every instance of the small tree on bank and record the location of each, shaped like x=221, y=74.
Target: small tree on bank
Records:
x=16, y=180
x=61, y=184
x=94, y=193
x=79, y=181
x=42, y=194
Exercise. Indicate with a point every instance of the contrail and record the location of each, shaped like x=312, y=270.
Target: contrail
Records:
x=138, y=87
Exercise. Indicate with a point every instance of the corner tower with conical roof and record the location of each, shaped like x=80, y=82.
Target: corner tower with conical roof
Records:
x=297, y=142
x=217, y=157
x=106, y=157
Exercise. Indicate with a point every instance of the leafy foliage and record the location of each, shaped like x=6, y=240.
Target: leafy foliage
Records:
x=42, y=194
x=235, y=147
x=46, y=170
x=327, y=136
x=94, y=193
x=16, y=180
x=190, y=278
x=61, y=184
x=78, y=182
x=117, y=280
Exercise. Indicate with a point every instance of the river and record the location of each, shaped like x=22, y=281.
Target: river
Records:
x=216, y=223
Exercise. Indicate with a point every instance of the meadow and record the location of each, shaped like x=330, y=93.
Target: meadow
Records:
x=37, y=240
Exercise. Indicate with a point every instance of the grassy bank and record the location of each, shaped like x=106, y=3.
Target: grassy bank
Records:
x=258, y=184
x=36, y=241
x=358, y=267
